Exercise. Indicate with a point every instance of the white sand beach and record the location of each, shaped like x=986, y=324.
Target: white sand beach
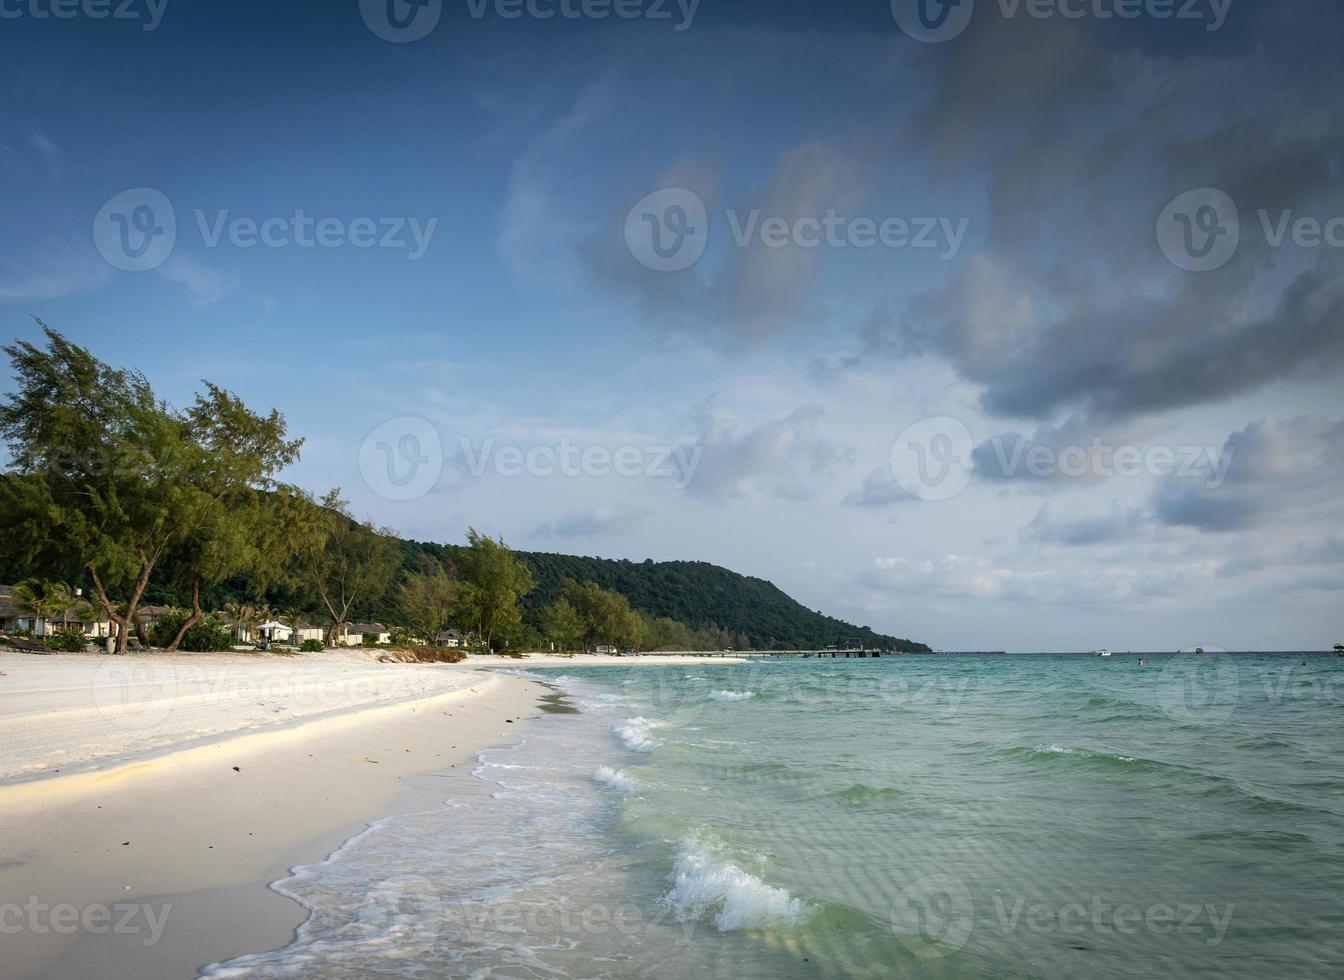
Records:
x=147, y=801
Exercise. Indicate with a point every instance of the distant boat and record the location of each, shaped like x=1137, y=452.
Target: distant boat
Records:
x=1103, y=653
x=1339, y=649
x=1199, y=651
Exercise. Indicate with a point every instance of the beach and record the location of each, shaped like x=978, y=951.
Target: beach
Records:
x=958, y=816
x=146, y=802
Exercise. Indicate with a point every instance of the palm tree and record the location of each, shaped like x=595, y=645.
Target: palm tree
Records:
x=243, y=616
x=291, y=616
x=44, y=599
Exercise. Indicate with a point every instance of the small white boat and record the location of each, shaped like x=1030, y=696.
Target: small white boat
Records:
x=1103, y=653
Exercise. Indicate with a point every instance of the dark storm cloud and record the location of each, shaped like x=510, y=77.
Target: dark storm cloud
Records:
x=1082, y=142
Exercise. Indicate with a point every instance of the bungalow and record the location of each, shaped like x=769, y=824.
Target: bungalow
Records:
x=273, y=632
x=354, y=634
x=149, y=616
x=608, y=648
x=14, y=618
x=307, y=631
x=452, y=638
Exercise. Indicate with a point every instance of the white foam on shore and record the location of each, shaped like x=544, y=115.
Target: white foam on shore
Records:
x=615, y=778
x=637, y=733
x=704, y=881
x=731, y=695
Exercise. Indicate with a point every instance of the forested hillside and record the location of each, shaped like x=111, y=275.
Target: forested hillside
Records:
x=749, y=612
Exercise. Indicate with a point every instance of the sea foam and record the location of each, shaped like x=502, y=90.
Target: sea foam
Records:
x=637, y=733
x=702, y=881
x=731, y=695
x=615, y=778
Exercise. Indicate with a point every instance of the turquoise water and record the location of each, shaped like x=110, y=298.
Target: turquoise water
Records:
x=1032, y=816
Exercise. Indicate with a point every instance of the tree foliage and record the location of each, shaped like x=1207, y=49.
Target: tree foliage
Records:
x=343, y=560
x=112, y=483
x=428, y=601
x=493, y=584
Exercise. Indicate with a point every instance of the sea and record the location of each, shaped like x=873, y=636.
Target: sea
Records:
x=914, y=816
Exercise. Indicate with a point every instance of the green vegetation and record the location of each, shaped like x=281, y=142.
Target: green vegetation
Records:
x=205, y=635
x=139, y=502
x=116, y=485
x=311, y=646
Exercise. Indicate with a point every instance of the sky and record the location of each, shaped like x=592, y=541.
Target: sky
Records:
x=996, y=325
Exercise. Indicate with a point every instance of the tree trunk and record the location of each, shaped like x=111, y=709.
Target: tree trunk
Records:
x=196, y=616
x=122, y=624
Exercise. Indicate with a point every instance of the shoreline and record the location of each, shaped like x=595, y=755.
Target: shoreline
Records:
x=183, y=840
x=182, y=851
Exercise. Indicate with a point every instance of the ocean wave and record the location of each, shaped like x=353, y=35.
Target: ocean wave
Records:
x=615, y=778
x=731, y=695
x=704, y=881
x=637, y=733
x=1082, y=753
x=860, y=794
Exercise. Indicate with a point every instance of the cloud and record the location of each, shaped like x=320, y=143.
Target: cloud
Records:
x=593, y=523
x=983, y=580
x=57, y=268
x=1072, y=308
x=206, y=286
x=778, y=458
x=1119, y=524
x=1277, y=471
x=51, y=155
x=742, y=290
x=878, y=490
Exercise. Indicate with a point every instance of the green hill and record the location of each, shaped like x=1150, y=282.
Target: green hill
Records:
x=751, y=612
x=735, y=610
